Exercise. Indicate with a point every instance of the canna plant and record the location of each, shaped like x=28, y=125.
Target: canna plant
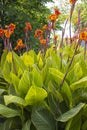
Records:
x=44, y=91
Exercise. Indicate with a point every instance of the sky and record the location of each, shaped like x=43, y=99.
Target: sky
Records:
x=51, y=4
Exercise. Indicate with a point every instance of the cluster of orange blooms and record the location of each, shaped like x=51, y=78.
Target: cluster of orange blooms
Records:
x=8, y=31
x=53, y=17
x=27, y=27
x=19, y=45
x=39, y=35
x=83, y=35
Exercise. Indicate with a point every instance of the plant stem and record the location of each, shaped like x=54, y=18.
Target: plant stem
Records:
x=62, y=82
x=61, y=43
x=85, y=51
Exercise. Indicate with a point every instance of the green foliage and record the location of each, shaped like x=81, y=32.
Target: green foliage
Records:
x=19, y=12
x=31, y=91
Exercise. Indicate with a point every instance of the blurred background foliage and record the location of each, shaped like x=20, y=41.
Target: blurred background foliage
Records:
x=21, y=11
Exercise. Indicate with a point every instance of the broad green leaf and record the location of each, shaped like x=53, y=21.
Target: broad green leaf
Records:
x=76, y=71
x=14, y=99
x=68, y=51
x=24, y=83
x=15, y=81
x=84, y=125
x=37, y=78
x=6, y=71
x=33, y=55
x=56, y=93
x=39, y=60
x=8, y=112
x=79, y=84
x=65, y=89
x=9, y=57
x=27, y=125
x=42, y=120
x=2, y=91
x=55, y=60
x=71, y=113
x=35, y=95
x=27, y=59
x=3, y=58
x=18, y=61
x=75, y=123
x=56, y=72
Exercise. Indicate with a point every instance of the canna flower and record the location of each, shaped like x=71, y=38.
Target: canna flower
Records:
x=20, y=45
x=72, y=1
x=45, y=27
x=43, y=41
x=53, y=17
x=19, y=42
x=7, y=33
x=1, y=32
x=28, y=27
x=83, y=36
x=38, y=33
x=11, y=26
x=57, y=12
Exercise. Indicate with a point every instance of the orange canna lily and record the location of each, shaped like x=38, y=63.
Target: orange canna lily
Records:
x=38, y=33
x=1, y=32
x=20, y=45
x=43, y=41
x=72, y=1
x=53, y=17
x=19, y=42
x=28, y=27
x=11, y=26
x=83, y=36
x=7, y=33
x=45, y=27
x=57, y=12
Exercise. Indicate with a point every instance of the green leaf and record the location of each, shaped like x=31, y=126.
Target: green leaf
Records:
x=56, y=93
x=6, y=71
x=14, y=99
x=9, y=57
x=3, y=58
x=77, y=72
x=15, y=80
x=65, y=89
x=71, y=113
x=18, y=61
x=27, y=125
x=56, y=73
x=24, y=83
x=27, y=59
x=35, y=95
x=84, y=125
x=2, y=91
x=37, y=78
x=8, y=112
x=75, y=123
x=68, y=51
x=42, y=120
x=79, y=84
